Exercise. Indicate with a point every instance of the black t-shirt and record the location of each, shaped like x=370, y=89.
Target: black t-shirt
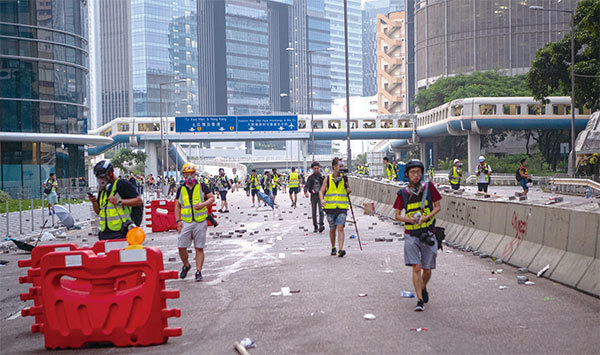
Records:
x=126, y=191
x=205, y=190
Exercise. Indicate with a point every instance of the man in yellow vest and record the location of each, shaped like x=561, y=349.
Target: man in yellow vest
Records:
x=455, y=174
x=421, y=201
x=390, y=172
x=294, y=184
x=334, y=196
x=276, y=185
x=191, y=210
x=254, y=182
x=115, y=203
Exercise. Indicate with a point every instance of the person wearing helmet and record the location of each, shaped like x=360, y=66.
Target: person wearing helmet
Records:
x=191, y=210
x=118, y=203
x=276, y=185
x=421, y=201
x=455, y=174
x=390, y=171
x=484, y=171
x=224, y=185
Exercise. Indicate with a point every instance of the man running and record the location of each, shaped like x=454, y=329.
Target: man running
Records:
x=313, y=186
x=268, y=184
x=334, y=196
x=254, y=185
x=276, y=185
x=294, y=186
x=191, y=209
x=420, y=244
x=223, y=184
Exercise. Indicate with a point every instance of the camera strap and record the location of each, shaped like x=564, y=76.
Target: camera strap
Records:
x=424, y=198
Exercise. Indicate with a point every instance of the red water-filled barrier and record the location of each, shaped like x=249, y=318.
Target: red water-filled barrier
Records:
x=160, y=215
x=103, y=294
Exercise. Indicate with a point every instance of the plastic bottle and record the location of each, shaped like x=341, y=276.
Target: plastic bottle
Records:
x=588, y=192
x=408, y=294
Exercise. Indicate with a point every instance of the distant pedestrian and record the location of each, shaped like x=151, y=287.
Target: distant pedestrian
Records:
x=390, y=171
x=421, y=201
x=50, y=187
x=334, y=196
x=484, y=171
x=223, y=185
x=455, y=174
x=294, y=184
x=254, y=184
x=312, y=187
x=276, y=185
x=524, y=176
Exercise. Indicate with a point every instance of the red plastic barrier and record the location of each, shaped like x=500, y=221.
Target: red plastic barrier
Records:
x=162, y=222
x=128, y=317
x=33, y=274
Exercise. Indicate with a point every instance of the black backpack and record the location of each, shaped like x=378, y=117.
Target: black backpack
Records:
x=518, y=175
x=47, y=187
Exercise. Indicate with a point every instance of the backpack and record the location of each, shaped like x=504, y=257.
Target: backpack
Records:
x=518, y=175
x=47, y=187
x=438, y=232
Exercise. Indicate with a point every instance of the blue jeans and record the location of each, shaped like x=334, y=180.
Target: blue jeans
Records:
x=524, y=184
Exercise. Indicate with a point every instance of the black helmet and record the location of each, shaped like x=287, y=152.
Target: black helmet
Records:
x=412, y=164
x=102, y=168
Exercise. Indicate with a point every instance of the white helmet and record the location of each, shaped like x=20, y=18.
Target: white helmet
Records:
x=481, y=158
x=455, y=161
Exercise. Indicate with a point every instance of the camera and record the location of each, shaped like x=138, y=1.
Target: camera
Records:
x=212, y=220
x=424, y=236
x=126, y=226
x=344, y=170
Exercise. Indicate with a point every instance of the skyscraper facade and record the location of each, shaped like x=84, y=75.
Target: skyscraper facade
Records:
x=463, y=36
x=334, y=11
x=43, y=90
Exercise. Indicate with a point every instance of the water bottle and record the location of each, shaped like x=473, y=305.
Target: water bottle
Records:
x=588, y=192
x=353, y=236
x=408, y=294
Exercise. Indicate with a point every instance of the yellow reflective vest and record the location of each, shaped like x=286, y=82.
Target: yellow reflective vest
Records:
x=455, y=177
x=254, y=182
x=112, y=216
x=336, y=196
x=294, y=180
x=391, y=173
x=188, y=213
x=415, y=207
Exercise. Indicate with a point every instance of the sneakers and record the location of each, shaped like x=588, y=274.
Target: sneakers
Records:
x=425, y=295
x=315, y=230
x=333, y=251
x=184, y=271
x=341, y=253
x=199, y=276
x=226, y=211
x=321, y=229
x=253, y=205
x=419, y=307
x=292, y=204
x=221, y=211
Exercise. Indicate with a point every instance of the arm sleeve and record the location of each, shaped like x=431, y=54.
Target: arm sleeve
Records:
x=126, y=190
x=204, y=188
x=399, y=204
x=435, y=194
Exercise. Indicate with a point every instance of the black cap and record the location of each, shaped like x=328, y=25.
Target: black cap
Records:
x=102, y=168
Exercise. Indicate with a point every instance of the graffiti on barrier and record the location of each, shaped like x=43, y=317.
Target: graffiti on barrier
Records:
x=520, y=230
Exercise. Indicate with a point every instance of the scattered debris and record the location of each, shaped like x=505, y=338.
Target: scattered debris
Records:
x=522, y=270
x=547, y=298
x=172, y=259
x=492, y=278
x=541, y=272
x=418, y=329
x=498, y=261
x=248, y=343
x=286, y=291
x=521, y=279
x=276, y=293
x=369, y=316
x=3, y=262
x=529, y=283
x=503, y=287
x=408, y=294
x=294, y=291
x=362, y=295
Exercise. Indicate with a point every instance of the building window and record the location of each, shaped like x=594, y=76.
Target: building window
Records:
x=512, y=109
x=457, y=110
x=487, y=109
x=536, y=109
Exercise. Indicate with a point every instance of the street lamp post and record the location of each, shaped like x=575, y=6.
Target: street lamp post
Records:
x=573, y=161
x=311, y=93
x=165, y=154
x=347, y=85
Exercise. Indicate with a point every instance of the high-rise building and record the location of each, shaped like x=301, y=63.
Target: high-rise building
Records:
x=369, y=39
x=164, y=51
x=391, y=63
x=43, y=92
x=242, y=56
x=111, y=75
x=463, y=36
x=334, y=11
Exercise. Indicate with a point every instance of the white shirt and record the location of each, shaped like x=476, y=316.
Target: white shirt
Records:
x=481, y=178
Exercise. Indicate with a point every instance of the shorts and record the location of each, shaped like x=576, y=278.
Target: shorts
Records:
x=524, y=184
x=195, y=231
x=53, y=198
x=335, y=220
x=274, y=192
x=254, y=192
x=482, y=186
x=417, y=253
x=223, y=195
x=294, y=190
x=455, y=186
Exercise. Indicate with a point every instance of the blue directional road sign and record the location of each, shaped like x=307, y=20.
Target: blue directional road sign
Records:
x=205, y=124
x=279, y=123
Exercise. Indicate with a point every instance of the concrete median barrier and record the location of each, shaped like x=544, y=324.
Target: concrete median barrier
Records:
x=522, y=234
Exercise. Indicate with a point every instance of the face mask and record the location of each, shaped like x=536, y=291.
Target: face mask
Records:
x=190, y=180
x=102, y=183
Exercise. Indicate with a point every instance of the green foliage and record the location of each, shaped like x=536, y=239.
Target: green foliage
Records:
x=4, y=196
x=550, y=71
x=127, y=160
x=536, y=164
x=478, y=84
x=361, y=159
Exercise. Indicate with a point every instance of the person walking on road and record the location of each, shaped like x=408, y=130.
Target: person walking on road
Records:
x=334, y=196
x=313, y=186
x=294, y=186
x=191, y=210
x=484, y=171
x=223, y=184
x=525, y=178
x=276, y=185
x=455, y=174
x=390, y=172
x=421, y=201
x=50, y=187
x=118, y=203
x=254, y=183
x=267, y=184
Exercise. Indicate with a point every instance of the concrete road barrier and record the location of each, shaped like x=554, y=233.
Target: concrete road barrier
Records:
x=522, y=233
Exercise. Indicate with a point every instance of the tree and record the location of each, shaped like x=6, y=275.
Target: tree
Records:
x=551, y=69
x=549, y=141
x=128, y=160
x=361, y=159
x=478, y=84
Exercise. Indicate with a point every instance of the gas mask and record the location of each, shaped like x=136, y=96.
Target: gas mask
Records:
x=190, y=180
x=102, y=183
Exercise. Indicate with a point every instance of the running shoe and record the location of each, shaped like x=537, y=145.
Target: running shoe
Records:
x=419, y=307
x=425, y=295
x=341, y=253
x=199, y=276
x=184, y=271
x=333, y=251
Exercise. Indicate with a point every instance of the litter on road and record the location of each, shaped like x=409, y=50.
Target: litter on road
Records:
x=362, y=295
x=369, y=316
x=541, y=272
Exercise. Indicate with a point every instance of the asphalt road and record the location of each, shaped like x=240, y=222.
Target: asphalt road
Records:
x=468, y=313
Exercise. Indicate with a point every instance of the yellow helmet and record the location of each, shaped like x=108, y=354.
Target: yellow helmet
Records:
x=188, y=168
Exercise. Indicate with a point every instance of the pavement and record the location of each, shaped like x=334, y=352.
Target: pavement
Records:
x=468, y=312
